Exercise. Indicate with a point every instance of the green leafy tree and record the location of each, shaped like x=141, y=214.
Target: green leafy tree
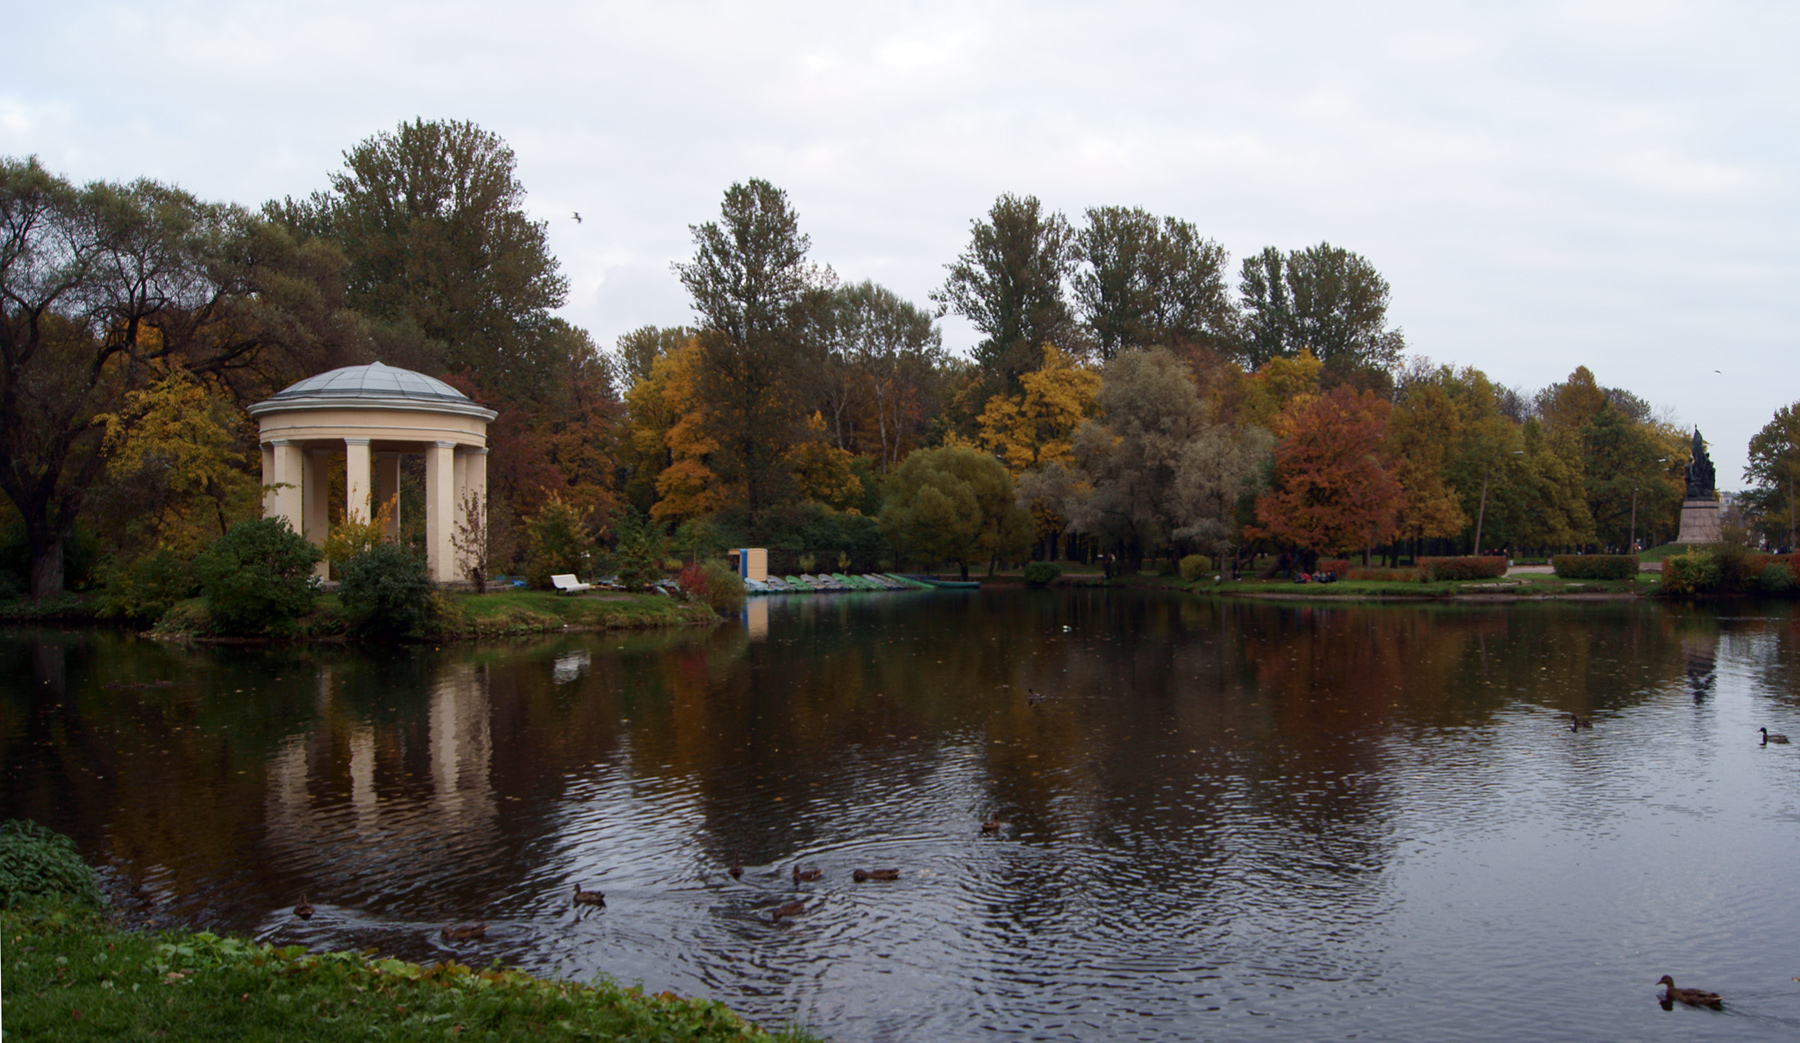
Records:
x=1128, y=458
x=954, y=504
x=638, y=350
x=257, y=578
x=386, y=591
x=1147, y=281
x=1323, y=299
x=1774, y=465
x=1009, y=284
x=759, y=301
x=883, y=368
x=432, y=219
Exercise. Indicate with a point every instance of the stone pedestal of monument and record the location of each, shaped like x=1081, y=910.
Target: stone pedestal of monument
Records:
x=1699, y=522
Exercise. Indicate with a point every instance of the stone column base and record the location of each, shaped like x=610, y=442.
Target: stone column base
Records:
x=1699, y=522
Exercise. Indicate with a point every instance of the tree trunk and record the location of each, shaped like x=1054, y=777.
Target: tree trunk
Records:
x=46, y=568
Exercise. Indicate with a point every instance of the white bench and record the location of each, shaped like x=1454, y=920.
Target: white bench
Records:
x=568, y=584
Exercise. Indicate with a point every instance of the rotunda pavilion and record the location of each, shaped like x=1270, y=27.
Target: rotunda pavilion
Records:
x=374, y=415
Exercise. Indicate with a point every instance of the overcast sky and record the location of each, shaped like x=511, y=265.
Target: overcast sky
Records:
x=1543, y=185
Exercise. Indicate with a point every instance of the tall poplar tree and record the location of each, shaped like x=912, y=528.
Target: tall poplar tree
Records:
x=759, y=301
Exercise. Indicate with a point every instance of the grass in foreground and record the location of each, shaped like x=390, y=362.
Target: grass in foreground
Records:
x=70, y=977
x=533, y=611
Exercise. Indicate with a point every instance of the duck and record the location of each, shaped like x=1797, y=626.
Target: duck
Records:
x=589, y=897
x=808, y=875
x=875, y=874
x=1691, y=997
x=737, y=867
x=304, y=910
x=467, y=932
x=1767, y=738
x=1034, y=697
x=790, y=909
x=1578, y=722
x=992, y=825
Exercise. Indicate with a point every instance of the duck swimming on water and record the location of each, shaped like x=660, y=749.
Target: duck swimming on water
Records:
x=1691, y=997
x=1767, y=738
x=589, y=897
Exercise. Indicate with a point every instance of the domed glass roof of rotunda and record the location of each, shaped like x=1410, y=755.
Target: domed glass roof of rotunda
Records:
x=369, y=386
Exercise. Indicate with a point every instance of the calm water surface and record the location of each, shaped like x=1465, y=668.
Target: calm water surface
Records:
x=1226, y=821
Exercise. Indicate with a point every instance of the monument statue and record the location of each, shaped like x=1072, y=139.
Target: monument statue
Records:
x=1700, y=478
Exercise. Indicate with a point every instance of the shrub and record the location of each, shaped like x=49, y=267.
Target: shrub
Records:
x=386, y=592
x=1377, y=575
x=1692, y=572
x=1195, y=566
x=1776, y=578
x=1595, y=566
x=145, y=589
x=555, y=543
x=1483, y=567
x=37, y=862
x=638, y=557
x=1042, y=573
x=724, y=588
x=257, y=578
x=1339, y=567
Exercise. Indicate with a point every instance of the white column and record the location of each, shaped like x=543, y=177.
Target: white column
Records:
x=268, y=479
x=440, y=509
x=288, y=482
x=462, y=481
x=315, y=495
x=357, y=490
x=387, y=490
x=478, y=483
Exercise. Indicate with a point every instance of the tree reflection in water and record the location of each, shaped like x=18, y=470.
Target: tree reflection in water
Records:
x=1220, y=809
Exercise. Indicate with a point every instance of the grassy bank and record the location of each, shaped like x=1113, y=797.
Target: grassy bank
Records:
x=457, y=616
x=69, y=976
x=72, y=975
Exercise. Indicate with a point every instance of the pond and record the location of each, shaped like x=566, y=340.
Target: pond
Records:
x=1218, y=819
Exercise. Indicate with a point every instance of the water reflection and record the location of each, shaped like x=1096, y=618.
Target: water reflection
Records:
x=1221, y=814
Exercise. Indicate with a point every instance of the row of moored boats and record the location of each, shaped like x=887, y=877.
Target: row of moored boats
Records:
x=810, y=584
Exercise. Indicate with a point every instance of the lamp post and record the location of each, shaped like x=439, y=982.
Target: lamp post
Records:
x=1481, y=515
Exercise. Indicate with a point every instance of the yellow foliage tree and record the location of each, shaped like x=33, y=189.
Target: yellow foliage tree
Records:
x=1278, y=386
x=823, y=470
x=180, y=478
x=687, y=487
x=1034, y=427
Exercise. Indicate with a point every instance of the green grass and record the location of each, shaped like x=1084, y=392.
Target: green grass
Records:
x=536, y=611
x=1659, y=553
x=513, y=612
x=71, y=977
x=1528, y=585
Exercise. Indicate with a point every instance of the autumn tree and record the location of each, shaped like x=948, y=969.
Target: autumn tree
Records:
x=1334, y=488
x=1146, y=281
x=1324, y=300
x=759, y=302
x=1010, y=284
x=1034, y=427
x=954, y=504
x=1424, y=431
x=105, y=289
x=638, y=350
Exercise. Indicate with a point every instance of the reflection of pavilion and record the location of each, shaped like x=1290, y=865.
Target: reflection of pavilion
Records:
x=309, y=776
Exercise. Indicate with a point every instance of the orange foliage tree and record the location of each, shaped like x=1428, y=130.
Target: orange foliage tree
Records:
x=1335, y=488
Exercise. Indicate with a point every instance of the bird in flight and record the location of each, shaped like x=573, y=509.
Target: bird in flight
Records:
x=577, y=217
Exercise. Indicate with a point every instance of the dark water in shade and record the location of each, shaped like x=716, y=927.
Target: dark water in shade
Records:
x=1229, y=821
